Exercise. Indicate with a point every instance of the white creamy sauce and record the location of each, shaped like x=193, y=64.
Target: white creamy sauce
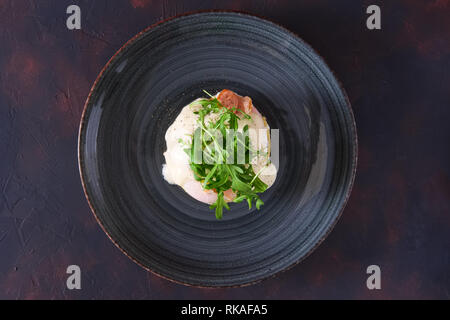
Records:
x=177, y=171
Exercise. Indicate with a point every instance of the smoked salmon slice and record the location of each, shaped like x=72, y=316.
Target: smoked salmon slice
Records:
x=230, y=99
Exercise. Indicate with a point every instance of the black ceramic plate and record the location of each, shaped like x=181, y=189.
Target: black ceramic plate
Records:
x=138, y=95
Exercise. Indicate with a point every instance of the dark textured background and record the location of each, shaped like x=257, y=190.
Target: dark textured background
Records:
x=398, y=215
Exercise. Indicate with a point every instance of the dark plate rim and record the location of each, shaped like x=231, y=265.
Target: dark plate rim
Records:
x=84, y=120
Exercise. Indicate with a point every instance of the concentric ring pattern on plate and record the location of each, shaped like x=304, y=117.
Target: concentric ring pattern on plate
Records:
x=141, y=91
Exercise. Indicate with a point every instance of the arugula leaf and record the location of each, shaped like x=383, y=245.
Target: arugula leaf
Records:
x=212, y=170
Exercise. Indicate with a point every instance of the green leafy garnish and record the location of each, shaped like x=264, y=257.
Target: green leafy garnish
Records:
x=213, y=147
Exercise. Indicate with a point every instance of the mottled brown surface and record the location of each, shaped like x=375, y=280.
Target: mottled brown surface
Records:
x=398, y=215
